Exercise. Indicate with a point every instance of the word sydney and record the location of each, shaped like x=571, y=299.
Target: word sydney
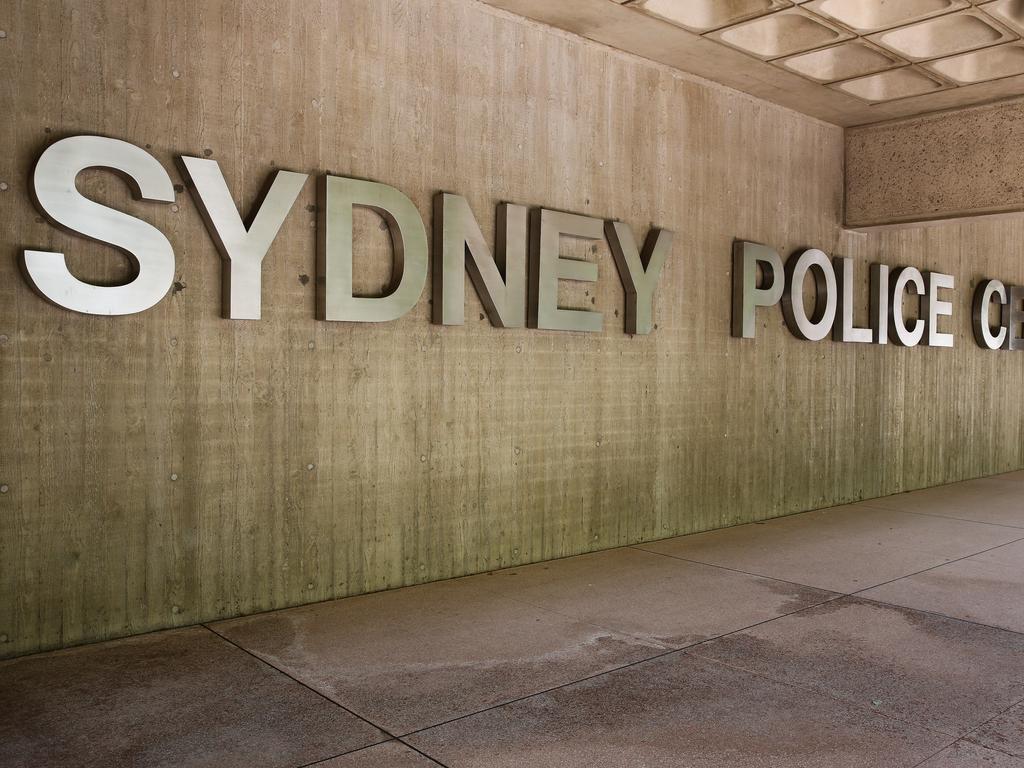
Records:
x=513, y=293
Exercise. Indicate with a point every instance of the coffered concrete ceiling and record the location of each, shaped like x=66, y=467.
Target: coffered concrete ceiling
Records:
x=849, y=62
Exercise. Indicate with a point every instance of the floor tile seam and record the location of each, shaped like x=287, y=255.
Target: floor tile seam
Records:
x=880, y=508
x=807, y=688
x=668, y=647
x=419, y=751
x=682, y=649
x=1007, y=526
x=836, y=592
x=967, y=736
x=96, y=644
x=674, y=651
x=693, y=650
x=667, y=652
x=938, y=613
x=208, y=623
x=966, y=739
x=935, y=754
x=519, y=699
x=433, y=760
x=833, y=595
x=940, y=565
x=664, y=652
x=388, y=735
x=950, y=483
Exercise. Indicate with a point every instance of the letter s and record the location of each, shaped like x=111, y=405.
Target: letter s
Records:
x=53, y=185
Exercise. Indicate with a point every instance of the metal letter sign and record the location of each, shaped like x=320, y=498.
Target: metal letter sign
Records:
x=53, y=184
x=547, y=267
x=819, y=325
x=242, y=248
x=459, y=246
x=833, y=302
x=335, y=299
x=517, y=285
x=844, y=329
x=982, y=327
x=902, y=334
x=1013, y=316
x=879, y=307
x=747, y=295
x=639, y=272
x=932, y=308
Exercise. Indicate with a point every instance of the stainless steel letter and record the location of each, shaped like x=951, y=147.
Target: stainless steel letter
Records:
x=459, y=245
x=547, y=268
x=844, y=329
x=979, y=314
x=335, y=299
x=241, y=248
x=901, y=334
x=639, y=272
x=819, y=325
x=932, y=308
x=1013, y=316
x=880, y=303
x=53, y=184
x=747, y=295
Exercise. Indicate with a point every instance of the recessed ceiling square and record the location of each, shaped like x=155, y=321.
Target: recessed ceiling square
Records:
x=978, y=66
x=704, y=15
x=863, y=16
x=841, y=62
x=943, y=36
x=781, y=34
x=1010, y=12
x=894, y=84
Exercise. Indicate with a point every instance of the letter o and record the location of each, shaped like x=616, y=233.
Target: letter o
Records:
x=819, y=324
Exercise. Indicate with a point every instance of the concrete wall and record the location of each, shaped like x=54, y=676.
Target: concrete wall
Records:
x=945, y=166
x=158, y=466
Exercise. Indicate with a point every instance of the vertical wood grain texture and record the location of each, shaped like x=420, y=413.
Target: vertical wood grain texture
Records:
x=316, y=460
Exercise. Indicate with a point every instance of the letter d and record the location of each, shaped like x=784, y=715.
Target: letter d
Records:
x=335, y=301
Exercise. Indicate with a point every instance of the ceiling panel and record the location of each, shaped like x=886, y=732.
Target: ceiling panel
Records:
x=782, y=33
x=705, y=15
x=944, y=35
x=845, y=61
x=979, y=66
x=864, y=16
x=895, y=84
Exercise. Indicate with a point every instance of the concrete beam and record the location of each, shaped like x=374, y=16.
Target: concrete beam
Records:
x=939, y=167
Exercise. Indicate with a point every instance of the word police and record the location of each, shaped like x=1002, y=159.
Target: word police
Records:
x=832, y=313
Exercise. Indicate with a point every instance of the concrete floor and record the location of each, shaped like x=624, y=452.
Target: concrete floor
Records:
x=887, y=633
